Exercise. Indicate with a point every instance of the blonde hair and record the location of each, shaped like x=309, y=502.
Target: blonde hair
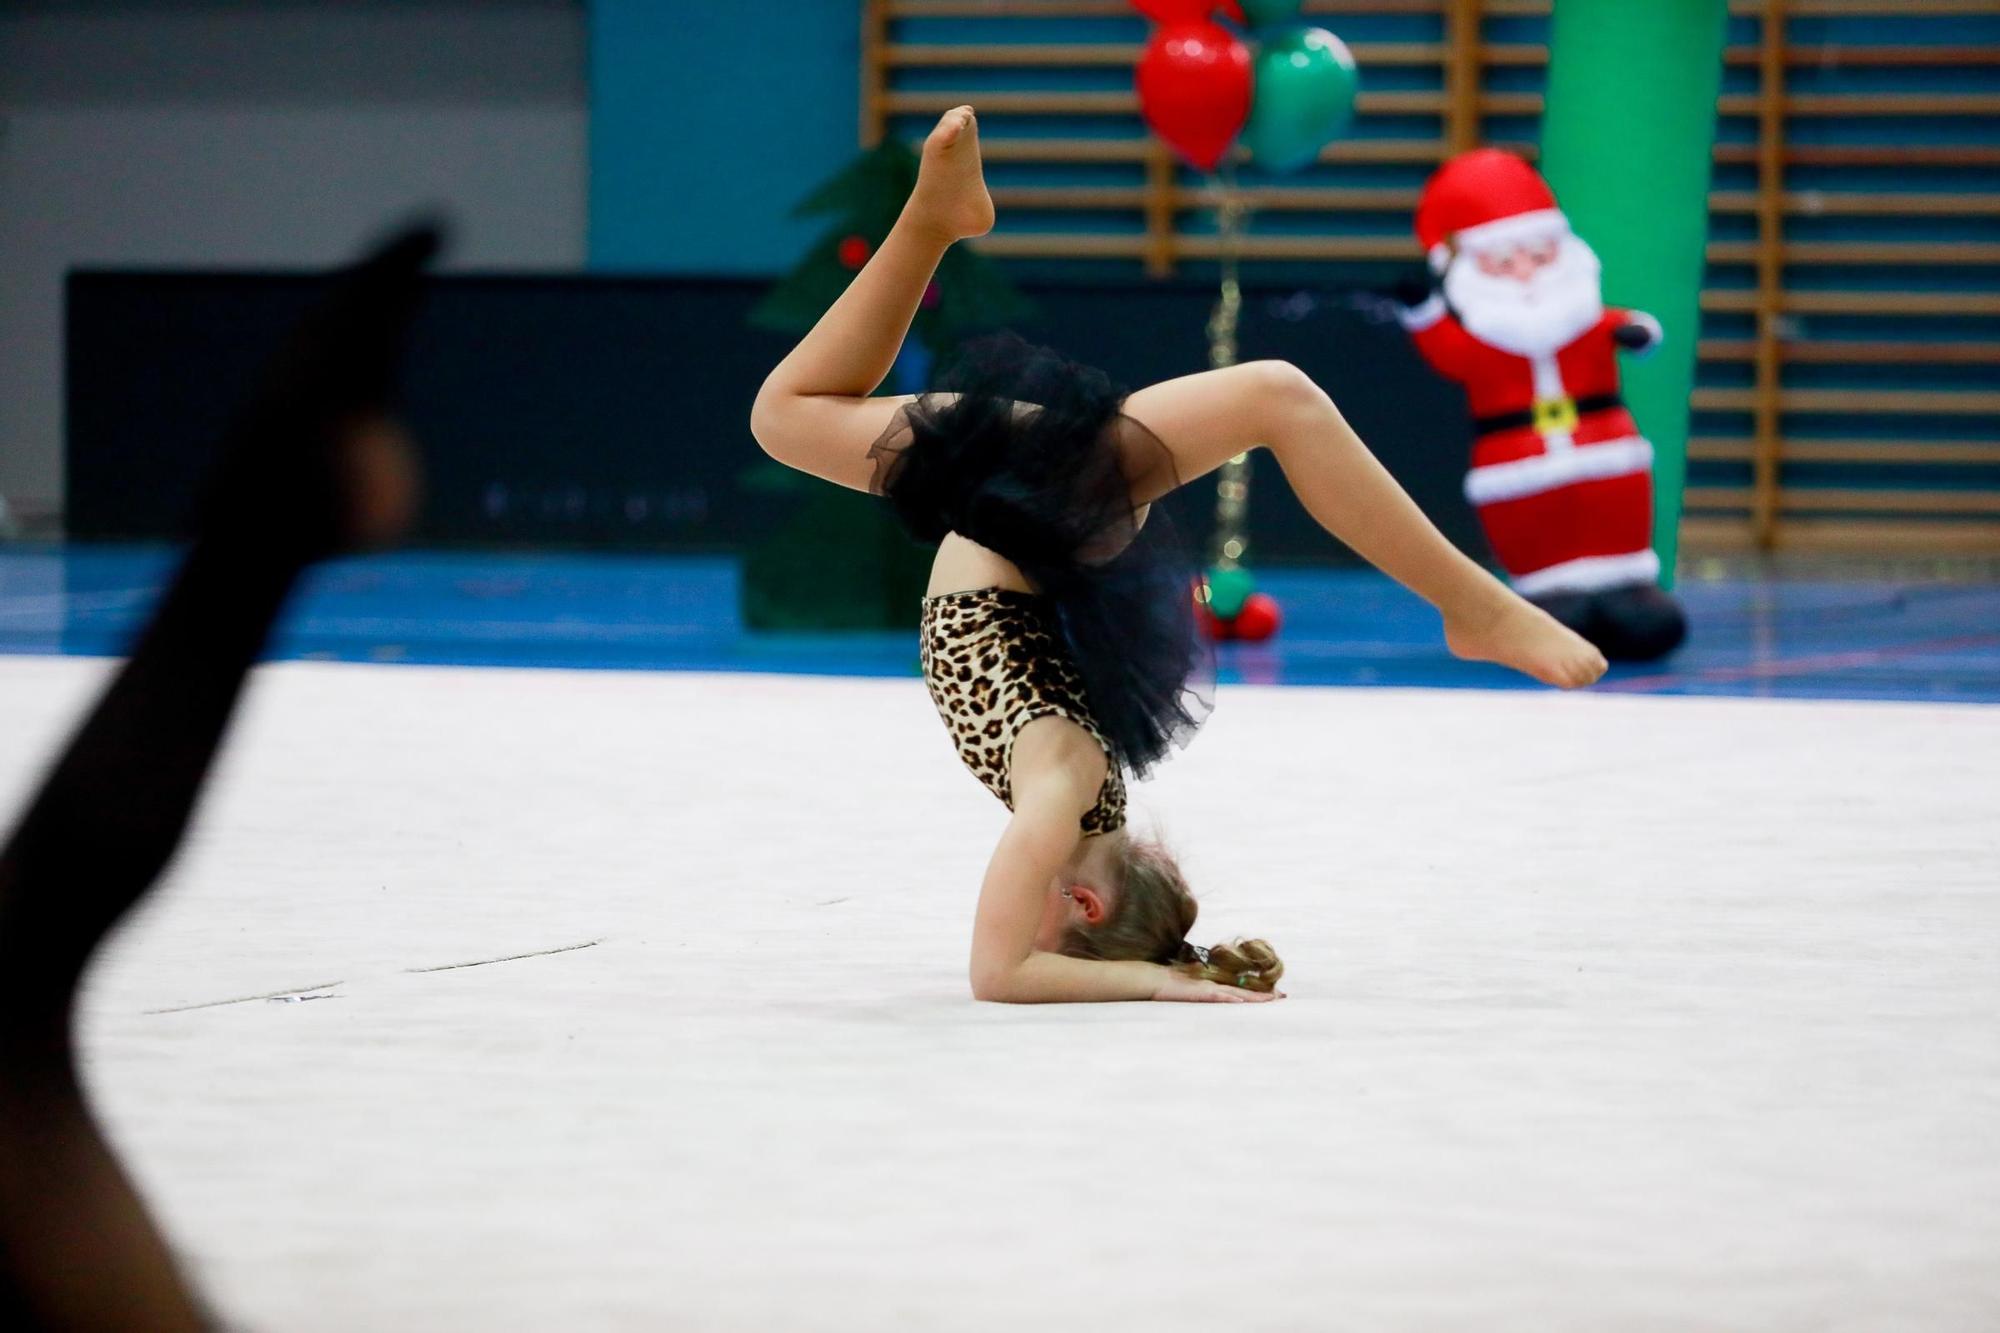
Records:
x=1150, y=921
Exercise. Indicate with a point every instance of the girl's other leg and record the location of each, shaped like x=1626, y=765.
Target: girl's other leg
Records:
x=1206, y=419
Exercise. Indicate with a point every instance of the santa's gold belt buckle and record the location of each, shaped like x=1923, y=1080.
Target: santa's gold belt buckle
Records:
x=1554, y=414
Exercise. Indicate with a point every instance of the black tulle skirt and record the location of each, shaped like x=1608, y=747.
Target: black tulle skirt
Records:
x=1030, y=456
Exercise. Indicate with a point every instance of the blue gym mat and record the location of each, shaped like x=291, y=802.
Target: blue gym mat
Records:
x=1767, y=638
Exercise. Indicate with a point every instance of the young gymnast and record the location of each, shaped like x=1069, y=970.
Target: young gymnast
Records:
x=313, y=465
x=1057, y=640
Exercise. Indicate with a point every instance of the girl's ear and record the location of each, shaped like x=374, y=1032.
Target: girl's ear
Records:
x=1089, y=902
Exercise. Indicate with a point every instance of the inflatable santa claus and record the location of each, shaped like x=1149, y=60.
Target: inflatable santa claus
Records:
x=1561, y=477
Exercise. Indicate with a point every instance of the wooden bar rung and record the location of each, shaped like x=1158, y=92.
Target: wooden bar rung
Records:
x=1305, y=247
x=1083, y=55
x=1132, y=148
x=1861, y=303
x=1852, y=499
x=1859, y=351
x=1869, y=155
x=1309, y=198
x=874, y=78
x=1851, y=55
x=1081, y=198
x=1273, y=198
x=1074, y=245
x=1885, y=8
x=1122, y=149
x=1863, y=252
x=1854, y=203
x=1706, y=534
x=1089, y=245
x=988, y=102
x=1162, y=205
x=1062, y=245
x=1054, y=102
x=1855, y=55
x=1768, y=253
x=1462, y=111
x=1738, y=449
x=1052, y=55
x=1898, y=402
x=1866, y=104
x=1407, y=150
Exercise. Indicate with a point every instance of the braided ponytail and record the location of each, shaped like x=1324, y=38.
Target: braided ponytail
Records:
x=1250, y=964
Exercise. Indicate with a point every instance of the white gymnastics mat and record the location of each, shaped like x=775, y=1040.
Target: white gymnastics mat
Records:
x=1606, y=1013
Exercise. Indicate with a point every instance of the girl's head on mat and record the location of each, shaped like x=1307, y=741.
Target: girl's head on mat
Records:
x=1140, y=907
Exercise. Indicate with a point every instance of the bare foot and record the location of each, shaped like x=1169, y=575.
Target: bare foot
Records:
x=1528, y=639
x=951, y=195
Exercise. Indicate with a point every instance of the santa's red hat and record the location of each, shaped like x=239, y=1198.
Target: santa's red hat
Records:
x=1484, y=198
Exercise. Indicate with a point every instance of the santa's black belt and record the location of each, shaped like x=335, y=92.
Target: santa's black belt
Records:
x=1547, y=414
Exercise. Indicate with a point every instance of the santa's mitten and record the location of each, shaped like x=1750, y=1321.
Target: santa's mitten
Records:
x=1412, y=289
x=1640, y=333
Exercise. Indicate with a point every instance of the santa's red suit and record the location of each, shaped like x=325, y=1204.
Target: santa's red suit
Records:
x=1560, y=476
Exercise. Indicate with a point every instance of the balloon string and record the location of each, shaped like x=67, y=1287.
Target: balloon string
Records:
x=1232, y=485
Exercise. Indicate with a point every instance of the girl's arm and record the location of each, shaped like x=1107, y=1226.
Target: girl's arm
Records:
x=1049, y=800
x=1006, y=966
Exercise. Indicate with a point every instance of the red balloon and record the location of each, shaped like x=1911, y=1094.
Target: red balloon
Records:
x=1259, y=619
x=1175, y=11
x=1194, y=89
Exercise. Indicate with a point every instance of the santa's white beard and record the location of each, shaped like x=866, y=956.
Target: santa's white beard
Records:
x=1532, y=318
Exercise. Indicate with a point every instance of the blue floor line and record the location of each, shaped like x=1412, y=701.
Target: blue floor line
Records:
x=1814, y=639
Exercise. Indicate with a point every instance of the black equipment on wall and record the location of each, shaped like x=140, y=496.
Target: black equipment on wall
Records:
x=613, y=412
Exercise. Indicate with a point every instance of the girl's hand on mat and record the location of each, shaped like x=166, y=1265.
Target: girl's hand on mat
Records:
x=1192, y=990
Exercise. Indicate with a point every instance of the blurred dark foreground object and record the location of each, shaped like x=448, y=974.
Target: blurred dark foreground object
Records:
x=312, y=464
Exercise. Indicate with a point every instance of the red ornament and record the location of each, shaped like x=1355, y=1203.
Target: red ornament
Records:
x=1212, y=627
x=1259, y=619
x=1175, y=11
x=854, y=251
x=1233, y=10
x=1194, y=89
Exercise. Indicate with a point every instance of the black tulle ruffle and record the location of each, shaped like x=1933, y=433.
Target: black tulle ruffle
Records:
x=1029, y=455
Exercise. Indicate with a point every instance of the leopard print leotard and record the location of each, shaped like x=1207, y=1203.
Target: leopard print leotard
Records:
x=994, y=661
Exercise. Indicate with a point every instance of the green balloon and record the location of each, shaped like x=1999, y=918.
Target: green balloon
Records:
x=1303, y=98
x=1228, y=589
x=1263, y=13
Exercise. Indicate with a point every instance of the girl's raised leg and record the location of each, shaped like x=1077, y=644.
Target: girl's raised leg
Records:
x=814, y=412
x=1206, y=419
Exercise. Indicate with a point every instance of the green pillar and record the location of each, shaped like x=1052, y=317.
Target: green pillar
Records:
x=1628, y=133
